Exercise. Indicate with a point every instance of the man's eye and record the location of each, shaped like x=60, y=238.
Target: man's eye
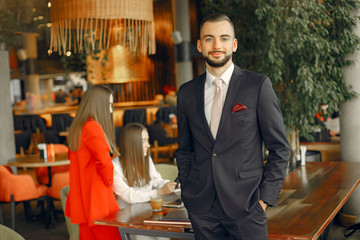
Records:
x=208, y=39
x=225, y=39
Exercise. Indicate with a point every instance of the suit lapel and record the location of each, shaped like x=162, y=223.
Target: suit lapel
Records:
x=200, y=86
x=233, y=90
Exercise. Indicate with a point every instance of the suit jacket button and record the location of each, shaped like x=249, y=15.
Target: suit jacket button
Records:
x=214, y=155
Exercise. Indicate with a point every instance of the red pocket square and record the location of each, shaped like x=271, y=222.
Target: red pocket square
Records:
x=239, y=107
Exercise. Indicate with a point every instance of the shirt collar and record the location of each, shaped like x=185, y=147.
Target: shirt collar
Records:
x=226, y=76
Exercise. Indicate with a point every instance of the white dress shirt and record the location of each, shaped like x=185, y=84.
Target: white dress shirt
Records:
x=128, y=195
x=210, y=89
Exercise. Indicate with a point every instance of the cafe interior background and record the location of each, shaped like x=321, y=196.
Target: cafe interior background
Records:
x=305, y=48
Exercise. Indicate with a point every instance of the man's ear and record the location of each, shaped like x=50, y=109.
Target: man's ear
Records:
x=198, y=43
x=235, y=45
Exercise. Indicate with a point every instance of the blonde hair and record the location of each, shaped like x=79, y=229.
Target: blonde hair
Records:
x=94, y=104
x=133, y=162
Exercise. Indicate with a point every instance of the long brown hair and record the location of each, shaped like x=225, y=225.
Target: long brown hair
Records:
x=133, y=162
x=94, y=104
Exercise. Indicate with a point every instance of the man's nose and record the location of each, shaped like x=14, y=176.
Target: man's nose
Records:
x=217, y=43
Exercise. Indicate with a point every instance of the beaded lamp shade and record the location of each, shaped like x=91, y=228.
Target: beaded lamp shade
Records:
x=89, y=25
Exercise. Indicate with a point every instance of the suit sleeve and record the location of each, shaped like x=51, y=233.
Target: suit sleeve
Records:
x=185, y=152
x=94, y=140
x=274, y=135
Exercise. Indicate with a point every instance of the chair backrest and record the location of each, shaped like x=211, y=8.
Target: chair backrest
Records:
x=52, y=136
x=18, y=123
x=158, y=133
x=60, y=148
x=167, y=171
x=134, y=115
x=73, y=229
x=23, y=140
x=4, y=171
x=60, y=122
x=34, y=122
x=162, y=115
x=59, y=181
x=21, y=186
x=7, y=233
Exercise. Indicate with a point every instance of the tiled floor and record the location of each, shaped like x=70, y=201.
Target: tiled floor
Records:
x=35, y=230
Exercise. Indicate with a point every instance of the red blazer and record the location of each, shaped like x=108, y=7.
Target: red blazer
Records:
x=91, y=177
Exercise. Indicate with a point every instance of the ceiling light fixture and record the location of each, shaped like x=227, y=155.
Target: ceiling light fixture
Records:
x=78, y=25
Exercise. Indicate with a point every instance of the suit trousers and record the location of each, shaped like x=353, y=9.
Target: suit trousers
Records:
x=215, y=224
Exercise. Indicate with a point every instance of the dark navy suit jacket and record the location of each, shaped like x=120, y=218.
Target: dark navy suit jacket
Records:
x=232, y=166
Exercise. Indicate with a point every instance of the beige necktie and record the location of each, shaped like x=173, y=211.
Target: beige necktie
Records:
x=216, y=108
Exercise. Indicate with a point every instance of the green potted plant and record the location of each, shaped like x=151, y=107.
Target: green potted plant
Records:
x=302, y=46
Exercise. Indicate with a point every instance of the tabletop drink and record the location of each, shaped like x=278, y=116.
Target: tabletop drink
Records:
x=156, y=203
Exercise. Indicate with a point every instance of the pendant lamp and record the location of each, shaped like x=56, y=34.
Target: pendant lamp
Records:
x=91, y=25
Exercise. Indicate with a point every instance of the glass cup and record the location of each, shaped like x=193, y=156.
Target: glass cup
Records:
x=156, y=203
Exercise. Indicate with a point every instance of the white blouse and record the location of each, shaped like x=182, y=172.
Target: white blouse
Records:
x=129, y=195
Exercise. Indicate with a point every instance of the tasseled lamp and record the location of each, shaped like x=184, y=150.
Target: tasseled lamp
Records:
x=86, y=25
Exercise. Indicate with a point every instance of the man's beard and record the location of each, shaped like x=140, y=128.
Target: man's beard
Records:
x=218, y=64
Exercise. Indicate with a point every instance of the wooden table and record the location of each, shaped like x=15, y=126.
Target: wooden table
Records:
x=310, y=198
x=129, y=220
x=34, y=161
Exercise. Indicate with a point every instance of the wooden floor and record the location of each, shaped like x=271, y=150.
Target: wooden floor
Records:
x=35, y=230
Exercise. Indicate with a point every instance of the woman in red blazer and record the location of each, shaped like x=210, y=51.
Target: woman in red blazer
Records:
x=92, y=144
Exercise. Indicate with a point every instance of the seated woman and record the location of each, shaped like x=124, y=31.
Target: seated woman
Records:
x=135, y=175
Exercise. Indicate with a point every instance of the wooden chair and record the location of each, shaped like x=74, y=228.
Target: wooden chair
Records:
x=23, y=142
x=60, y=125
x=168, y=150
x=61, y=122
x=163, y=114
x=161, y=144
x=135, y=115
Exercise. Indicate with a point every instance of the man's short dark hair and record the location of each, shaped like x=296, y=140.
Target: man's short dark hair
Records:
x=216, y=17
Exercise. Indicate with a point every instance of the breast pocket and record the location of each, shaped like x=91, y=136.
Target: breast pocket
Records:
x=240, y=114
x=240, y=120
